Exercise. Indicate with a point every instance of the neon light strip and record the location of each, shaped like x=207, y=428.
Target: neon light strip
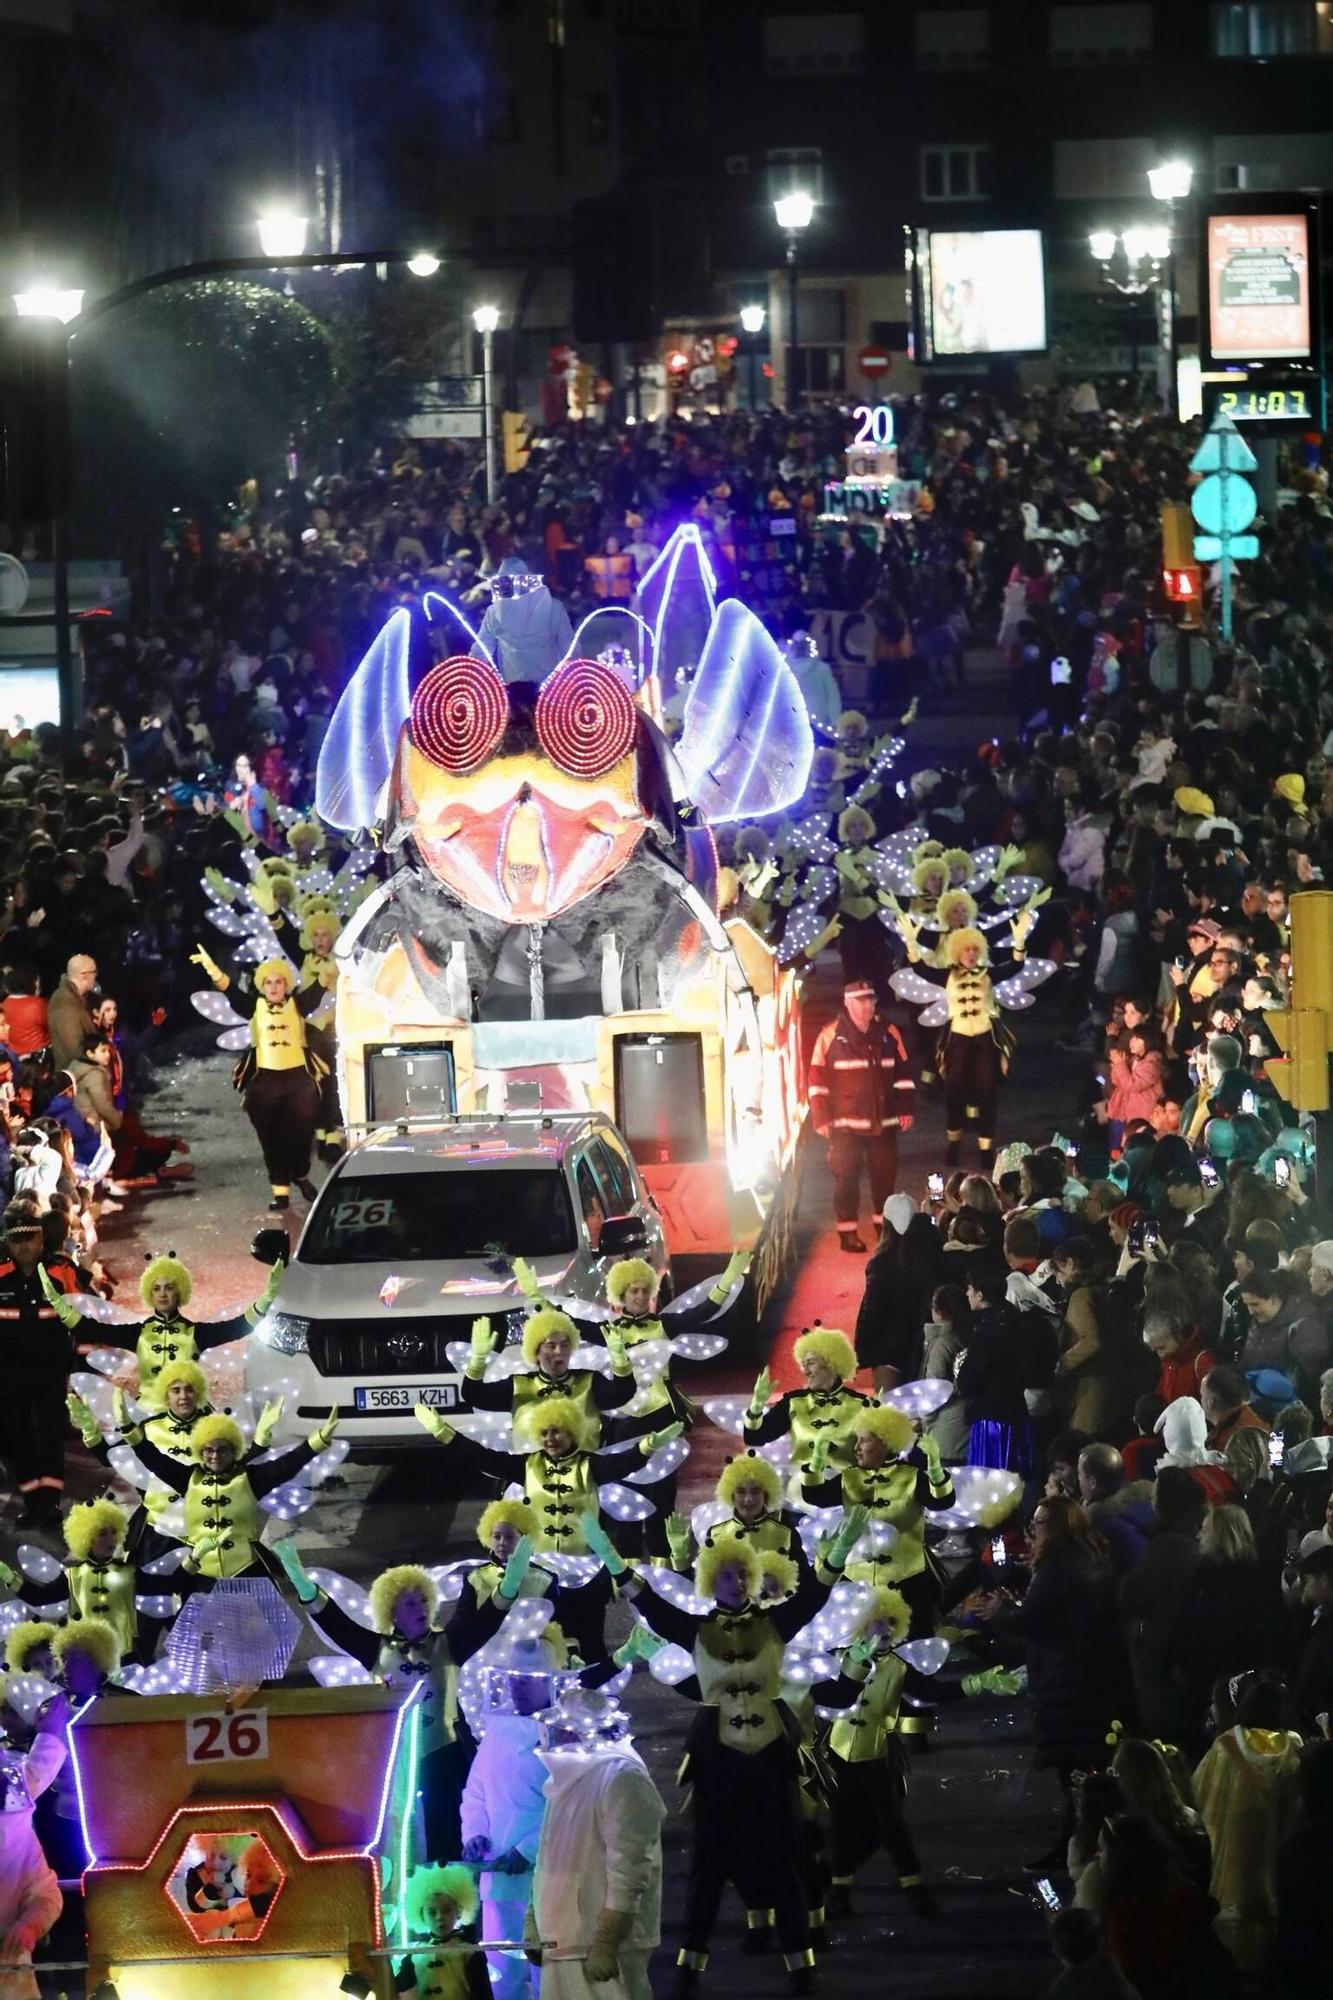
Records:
x=622, y=611
x=90, y=1857
x=442, y=597
x=686, y=535
x=387, y=1787
x=409, y=1807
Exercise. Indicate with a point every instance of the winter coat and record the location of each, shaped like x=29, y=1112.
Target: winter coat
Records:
x=1182, y=1373
x=1294, y=1342
x=900, y=1278
x=1093, y=1393
x=1232, y=1623
x=68, y=1021
x=859, y=1083
x=1153, y=1598
x=503, y=1802
x=601, y=1848
x=1137, y=1087
x=944, y=1350
x=1248, y=1789
x=526, y=635
x=1078, y=1681
x=92, y=1094
x=989, y=1378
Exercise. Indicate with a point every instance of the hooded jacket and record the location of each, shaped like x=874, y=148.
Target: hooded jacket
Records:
x=527, y=634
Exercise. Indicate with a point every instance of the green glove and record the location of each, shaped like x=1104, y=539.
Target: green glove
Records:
x=269, y=1293
x=307, y=1590
x=759, y=1395
x=321, y=1439
x=736, y=1267
x=217, y=880
x=847, y=1536
x=930, y=1451
x=640, y=1645
x=480, y=1348
x=526, y=1278
x=120, y=1410
x=678, y=1539
x=83, y=1420
x=8, y=1576
x=511, y=1583
x=431, y=1420
x=995, y=1680
x=818, y=1459
x=269, y=1419
x=207, y=963
x=861, y=1652
x=656, y=1439
x=207, y=1545
x=599, y=1544
x=66, y=1311
x=615, y=1347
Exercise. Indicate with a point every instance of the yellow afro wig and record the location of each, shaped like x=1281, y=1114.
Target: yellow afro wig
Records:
x=455, y=1880
x=391, y=1584
x=516, y=1513
x=217, y=1429
x=180, y=1371
x=167, y=1270
x=627, y=1271
x=958, y=941
x=825, y=766
x=890, y=1426
x=831, y=1347
x=929, y=850
x=749, y=1470
x=955, y=902
x=711, y=1558
x=92, y=1637
x=778, y=1574
x=855, y=826
x=553, y=1410
x=930, y=877
x=305, y=838
x=959, y=864
x=317, y=912
x=543, y=1325
x=887, y=1607
x=274, y=968
x=23, y=1642
x=852, y=725
x=84, y=1524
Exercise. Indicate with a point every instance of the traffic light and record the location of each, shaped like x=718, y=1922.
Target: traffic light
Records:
x=1181, y=576
x=1305, y=1031
x=517, y=439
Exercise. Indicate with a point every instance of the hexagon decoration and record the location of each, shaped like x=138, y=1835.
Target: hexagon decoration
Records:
x=235, y=1635
x=224, y=1883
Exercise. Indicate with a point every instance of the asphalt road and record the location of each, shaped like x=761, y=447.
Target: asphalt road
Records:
x=975, y=1804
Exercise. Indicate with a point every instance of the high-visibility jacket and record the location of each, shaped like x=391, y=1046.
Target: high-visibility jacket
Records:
x=859, y=1083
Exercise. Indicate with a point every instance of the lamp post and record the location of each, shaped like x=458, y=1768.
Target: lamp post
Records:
x=752, y=325
x=794, y=213
x=486, y=319
x=1170, y=183
x=1131, y=265
x=282, y=240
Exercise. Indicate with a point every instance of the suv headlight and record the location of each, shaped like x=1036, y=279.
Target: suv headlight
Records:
x=286, y=1333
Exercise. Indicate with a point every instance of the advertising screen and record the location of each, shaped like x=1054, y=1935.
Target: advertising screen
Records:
x=1259, y=287
x=983, y=291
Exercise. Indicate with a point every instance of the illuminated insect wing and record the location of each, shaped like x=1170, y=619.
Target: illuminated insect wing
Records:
x=698, y=1346
x=920, y=1398
x=28, y=1695
x=348, y=1596
x=671, y=1665
x=677, y=599
x=677, y=1590
x=815, y=1526
x=593, y=1358
x=927, y=1656
x=570, y=1571
x=909, y=985
x=14, y=1611
x=160, y=1678
x=217, y=1008
x=985, y=861
x=333, y=1670
x=154, y=1607
x=37, y=1565
x=746, y=744
x=449, y=1578
x=1017, y=889
x=666, y=1460
x=1018, y=990
x=228, y=921
x=727, y=1412
x=165, y=1565
x=977, y=1489
x=707, y=1515
x=492, y=1428
x=623, y=1504
x=297, y=1497
x=358, y=750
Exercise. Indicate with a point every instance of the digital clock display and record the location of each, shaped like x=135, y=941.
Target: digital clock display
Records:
x=1248, y=406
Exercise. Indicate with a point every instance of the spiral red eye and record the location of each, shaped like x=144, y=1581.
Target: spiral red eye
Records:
x=459, y=713
x=585, y=718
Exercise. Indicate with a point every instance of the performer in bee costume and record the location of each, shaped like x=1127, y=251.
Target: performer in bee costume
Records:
x=280, y=1075
x=752, y=1488
x=320, y=925
x=440, y=1903
x=166, y=1335
x=99, y=1580
x=222, y=1487
x=579, y=1610
x=898, y=1478
x=742, y=1757
x=549, y=1339
x=825, y=1408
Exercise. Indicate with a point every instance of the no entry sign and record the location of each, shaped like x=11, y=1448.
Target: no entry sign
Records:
x=874, y=362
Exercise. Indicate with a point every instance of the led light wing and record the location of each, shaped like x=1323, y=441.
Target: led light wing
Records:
x=358, y=751
x=747, y=743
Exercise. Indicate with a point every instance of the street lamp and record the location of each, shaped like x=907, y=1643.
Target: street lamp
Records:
x=424, y=265
x=794, y=213
x=282, y=233
x=753, y=319
x=1170, y=182
x=1131, y=265
x=486, y=319
x=48, y=302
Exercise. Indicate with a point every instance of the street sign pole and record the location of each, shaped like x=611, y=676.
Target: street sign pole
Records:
x=1224, y=505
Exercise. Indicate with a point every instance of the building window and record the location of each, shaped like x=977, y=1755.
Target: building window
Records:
x=1258, y=30
x=955, y=173
x=1101, y=34
x=808, y=45
x=953, y=38
x=599, y=118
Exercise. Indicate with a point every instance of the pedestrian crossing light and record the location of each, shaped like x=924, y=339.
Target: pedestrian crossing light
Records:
x=1304, y=1032
x=517, y=439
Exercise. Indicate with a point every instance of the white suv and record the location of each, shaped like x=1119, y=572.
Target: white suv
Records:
x=413, y=1235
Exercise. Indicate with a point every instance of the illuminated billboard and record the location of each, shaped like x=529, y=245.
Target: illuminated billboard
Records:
x=1259, y=299
x=980, y=291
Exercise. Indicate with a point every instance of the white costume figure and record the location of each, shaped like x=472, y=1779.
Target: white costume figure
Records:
x=816, y=680
x=525, y=631
x=30, y=1899
x=598, y=1886
x=503, y=1799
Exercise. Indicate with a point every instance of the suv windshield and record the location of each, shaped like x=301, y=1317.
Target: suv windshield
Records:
x=407, y=1218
